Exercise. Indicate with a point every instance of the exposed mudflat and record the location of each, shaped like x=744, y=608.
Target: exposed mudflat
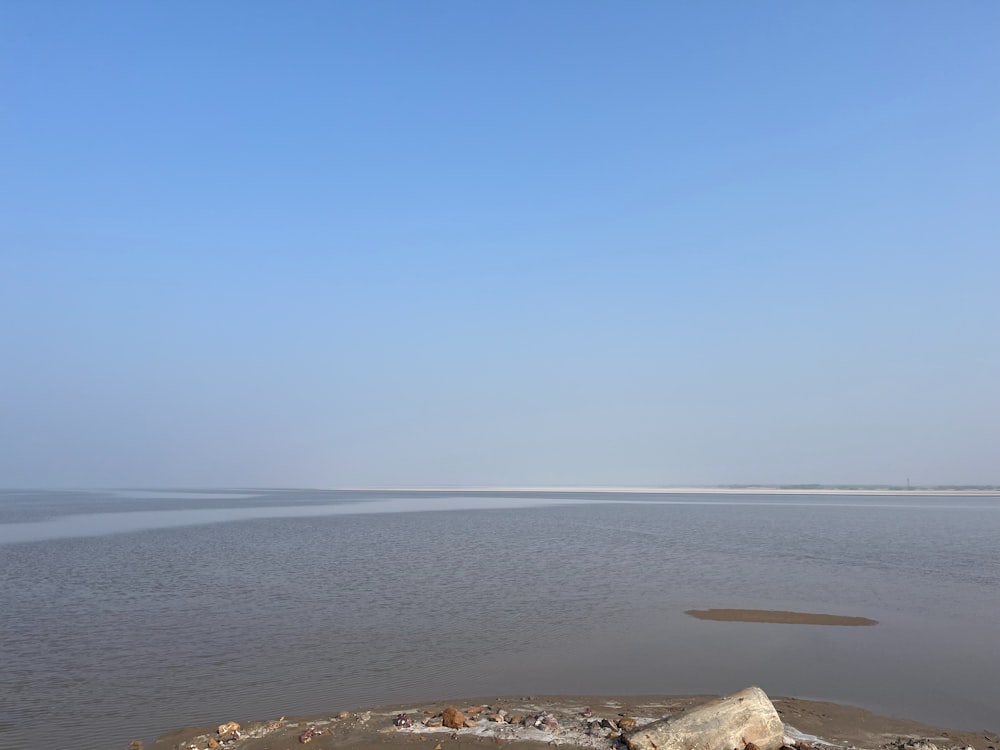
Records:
x=571, y=721
x=778, y=616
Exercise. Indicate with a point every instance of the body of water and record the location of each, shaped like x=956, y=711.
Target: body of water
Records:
x=126, y=614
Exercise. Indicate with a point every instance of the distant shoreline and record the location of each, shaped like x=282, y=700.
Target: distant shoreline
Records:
x=873, y=491
x=750, y=490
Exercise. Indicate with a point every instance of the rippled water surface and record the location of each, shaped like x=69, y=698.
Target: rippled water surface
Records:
x=124, y=615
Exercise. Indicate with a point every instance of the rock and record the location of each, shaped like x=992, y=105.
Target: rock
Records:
x=514, y=719
x=473, y=710
x=307, y=735
x=751, y=746
x=469, y=723
x=608, y=724
x=433, y=721
x=341, y=715
x=495, y=717
x=730, y=722
x=212, y=743
x=548, y=723
x=452, y=718
x=229, y=726
x=135, y=745
x=403, y=720
x=627, y=723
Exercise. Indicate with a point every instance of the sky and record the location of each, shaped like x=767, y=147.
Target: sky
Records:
x=390, y=243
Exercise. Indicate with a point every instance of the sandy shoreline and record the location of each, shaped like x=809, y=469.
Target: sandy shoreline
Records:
x=810, y=723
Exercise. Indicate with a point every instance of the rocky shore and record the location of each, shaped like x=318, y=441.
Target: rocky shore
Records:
x=596, y=723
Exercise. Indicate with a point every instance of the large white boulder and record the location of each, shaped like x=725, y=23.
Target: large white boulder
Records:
x=729, y=723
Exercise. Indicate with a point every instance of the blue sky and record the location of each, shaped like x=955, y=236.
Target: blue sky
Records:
x=447, y=243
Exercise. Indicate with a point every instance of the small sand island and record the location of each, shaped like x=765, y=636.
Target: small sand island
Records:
x=778, y=616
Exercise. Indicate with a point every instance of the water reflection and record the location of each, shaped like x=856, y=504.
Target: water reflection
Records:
x=101, y=524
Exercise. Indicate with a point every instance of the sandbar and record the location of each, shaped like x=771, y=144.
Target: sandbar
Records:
x=778, y=616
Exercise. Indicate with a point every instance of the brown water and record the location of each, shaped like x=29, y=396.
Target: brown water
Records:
x=281, y=602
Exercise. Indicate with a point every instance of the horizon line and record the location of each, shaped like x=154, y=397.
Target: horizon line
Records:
x=816, y=489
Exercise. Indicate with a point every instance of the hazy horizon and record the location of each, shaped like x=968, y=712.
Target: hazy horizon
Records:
x=330, y=245
x=183, y=491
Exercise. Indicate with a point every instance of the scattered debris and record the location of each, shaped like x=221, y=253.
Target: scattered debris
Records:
x=307, y=735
